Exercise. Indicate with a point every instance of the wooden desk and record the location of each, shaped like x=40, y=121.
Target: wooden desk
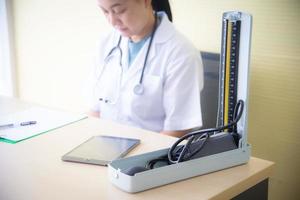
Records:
x=32, y=169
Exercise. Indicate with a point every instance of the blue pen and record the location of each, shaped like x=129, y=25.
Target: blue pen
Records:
x=11, y=125
x=3, y=126
x=27, y=123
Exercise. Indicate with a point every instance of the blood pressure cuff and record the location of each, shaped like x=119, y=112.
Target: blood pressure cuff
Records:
x=214, y=144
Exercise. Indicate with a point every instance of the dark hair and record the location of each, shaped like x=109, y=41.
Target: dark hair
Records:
x=162, y=5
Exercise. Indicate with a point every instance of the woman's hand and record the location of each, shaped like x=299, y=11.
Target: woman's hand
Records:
x=175, y=133
x=93, y=114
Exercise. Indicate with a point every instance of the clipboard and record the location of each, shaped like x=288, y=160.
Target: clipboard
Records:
x=46, y=120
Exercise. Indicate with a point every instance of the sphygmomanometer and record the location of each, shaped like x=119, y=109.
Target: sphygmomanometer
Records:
x=198, y=144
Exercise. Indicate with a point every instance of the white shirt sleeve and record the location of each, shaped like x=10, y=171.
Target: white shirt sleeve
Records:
x=184, y=81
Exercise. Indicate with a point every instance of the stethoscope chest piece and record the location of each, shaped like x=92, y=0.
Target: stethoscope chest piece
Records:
x=138, y=89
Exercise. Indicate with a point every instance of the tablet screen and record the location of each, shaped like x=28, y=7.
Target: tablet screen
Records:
x=101, y=150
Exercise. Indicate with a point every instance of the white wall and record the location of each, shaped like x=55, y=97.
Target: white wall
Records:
x=55, y=40
x=7, y=65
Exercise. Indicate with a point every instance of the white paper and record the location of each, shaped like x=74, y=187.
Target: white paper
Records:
x=46, y=120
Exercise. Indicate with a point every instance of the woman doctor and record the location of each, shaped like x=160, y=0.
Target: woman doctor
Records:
x=147, y=74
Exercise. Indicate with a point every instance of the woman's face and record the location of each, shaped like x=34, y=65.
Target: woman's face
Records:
x=130, y=17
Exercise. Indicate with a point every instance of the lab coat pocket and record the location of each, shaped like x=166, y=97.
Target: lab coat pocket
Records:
x=148, y=105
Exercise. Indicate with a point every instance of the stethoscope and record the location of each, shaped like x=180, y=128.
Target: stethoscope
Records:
x=139, y=87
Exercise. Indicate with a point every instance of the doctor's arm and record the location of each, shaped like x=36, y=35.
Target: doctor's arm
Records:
x=182, y=95
x=92, y=113
x=175, y=133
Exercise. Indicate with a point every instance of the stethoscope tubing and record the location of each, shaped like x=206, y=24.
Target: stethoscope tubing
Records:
x=149, y=47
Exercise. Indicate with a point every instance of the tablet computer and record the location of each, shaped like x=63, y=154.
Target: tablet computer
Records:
x=101, y=150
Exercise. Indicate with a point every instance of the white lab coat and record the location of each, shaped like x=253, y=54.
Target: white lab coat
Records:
x=172, y=82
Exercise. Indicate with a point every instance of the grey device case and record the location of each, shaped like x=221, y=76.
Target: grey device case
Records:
x=209, y=162
x=101, y=150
